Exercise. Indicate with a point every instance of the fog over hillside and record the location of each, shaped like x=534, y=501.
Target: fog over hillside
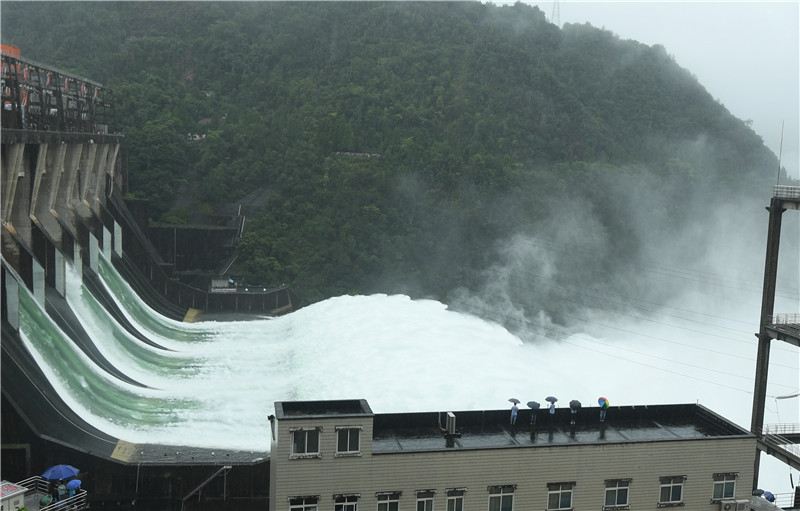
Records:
x=746, y=54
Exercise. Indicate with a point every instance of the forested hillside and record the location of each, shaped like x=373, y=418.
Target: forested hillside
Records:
x=407, y=146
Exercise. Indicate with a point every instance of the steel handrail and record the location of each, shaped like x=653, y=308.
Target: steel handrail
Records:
x=786, y=192
x=38, y=485
x=785, y=428
x=77, y=501
x=784, y=443
x=784, y=319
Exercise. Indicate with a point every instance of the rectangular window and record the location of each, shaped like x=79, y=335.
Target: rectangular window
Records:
x=425, y=500
x=724, y=486
x=559, y=495
x=455, y=500
x=348, y=440
x=501, y=498
x=345, y=503
x=617, y=493
x=303, y=503
x=389, y=501
x=305, y=442
x=671, y=491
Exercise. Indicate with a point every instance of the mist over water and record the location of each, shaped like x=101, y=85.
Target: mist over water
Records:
x=673, y=323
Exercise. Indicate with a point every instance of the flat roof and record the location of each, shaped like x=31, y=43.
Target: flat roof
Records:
x=308, y=409
x=490, y=429
x=8, y=489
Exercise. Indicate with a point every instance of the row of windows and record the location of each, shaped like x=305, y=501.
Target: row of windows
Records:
x=305, y=442
x=501, y=498
x=387, y=501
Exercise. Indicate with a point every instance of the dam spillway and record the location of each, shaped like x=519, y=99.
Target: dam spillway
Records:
x=65, y=223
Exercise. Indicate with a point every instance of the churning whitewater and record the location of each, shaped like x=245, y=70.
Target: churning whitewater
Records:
x=214, y=383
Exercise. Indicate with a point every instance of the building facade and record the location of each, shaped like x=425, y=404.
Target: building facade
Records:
x=339, y=456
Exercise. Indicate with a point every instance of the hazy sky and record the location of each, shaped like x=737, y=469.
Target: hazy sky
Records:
x=744, y=53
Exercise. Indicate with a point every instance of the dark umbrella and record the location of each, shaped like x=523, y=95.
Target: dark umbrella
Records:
x=551, y=399
x=575, y=404
x=75, y=483
x=57, y=472
x=514, y=400
x=533, y=405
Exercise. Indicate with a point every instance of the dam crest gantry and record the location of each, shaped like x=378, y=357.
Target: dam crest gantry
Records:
x=62, y=182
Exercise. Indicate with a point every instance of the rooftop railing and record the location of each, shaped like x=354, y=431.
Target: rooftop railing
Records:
x=784, y=500
x=782, y=429
x=778, y=440
x=38, y=488
x=784, y=319
x=786, y=192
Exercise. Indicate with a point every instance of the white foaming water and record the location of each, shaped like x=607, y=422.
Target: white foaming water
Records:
x=399, y=354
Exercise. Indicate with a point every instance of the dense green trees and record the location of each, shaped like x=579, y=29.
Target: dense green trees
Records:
x=486, y=119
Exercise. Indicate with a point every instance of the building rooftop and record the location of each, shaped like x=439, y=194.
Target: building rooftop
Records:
x=490, y=429
x=404, y=432
x=307, y=409
x=9, y=489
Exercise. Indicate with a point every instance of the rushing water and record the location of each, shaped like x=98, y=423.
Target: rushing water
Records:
x=215, y=382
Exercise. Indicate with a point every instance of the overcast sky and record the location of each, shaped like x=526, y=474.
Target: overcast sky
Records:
x=744, y=53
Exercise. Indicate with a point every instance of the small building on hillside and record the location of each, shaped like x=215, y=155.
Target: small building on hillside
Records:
x=340, y=456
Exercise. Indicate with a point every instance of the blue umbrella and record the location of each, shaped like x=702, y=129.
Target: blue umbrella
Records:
x=74, y=484
x=57, y=472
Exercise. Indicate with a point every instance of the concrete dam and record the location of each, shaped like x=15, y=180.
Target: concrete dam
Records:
x=63, y=210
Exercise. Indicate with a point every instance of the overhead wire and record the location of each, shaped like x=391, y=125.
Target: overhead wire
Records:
x=697, y=276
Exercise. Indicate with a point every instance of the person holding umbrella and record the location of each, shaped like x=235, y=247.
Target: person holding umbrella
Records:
x=533, y=405
x=574, y=407
x=514, y=410
x=73, y=486
x=56, y=476
x=604, y=404
x=552, y=400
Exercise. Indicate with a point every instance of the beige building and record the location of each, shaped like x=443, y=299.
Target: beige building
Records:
x=339, y=456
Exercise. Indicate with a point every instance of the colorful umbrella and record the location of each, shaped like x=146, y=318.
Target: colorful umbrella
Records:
x=603, y=402
x=514, y=400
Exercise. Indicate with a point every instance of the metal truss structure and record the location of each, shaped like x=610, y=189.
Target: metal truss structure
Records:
x=38, y=97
